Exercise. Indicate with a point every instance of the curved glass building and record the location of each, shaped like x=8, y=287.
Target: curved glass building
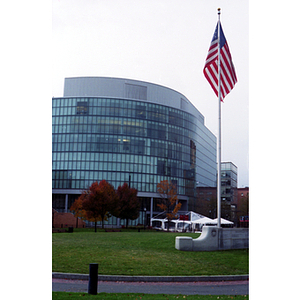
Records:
x=130, y=131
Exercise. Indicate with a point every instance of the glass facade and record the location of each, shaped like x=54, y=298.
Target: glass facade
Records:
x=117, y=139
x=129, y=140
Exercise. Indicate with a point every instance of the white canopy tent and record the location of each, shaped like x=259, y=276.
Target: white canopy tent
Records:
x=195, y=222
x=223, y=222
x=198, y=221
x=160, y=220
x=181, y=225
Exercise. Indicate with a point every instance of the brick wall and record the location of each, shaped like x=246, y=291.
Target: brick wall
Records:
x=63, y=220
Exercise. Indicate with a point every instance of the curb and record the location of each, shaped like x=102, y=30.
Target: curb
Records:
x=75, y=276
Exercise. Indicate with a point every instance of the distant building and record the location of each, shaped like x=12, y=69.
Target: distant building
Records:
x=207, y=196
x=229, y=190
x=243, y=206
x=229, y=182
x=242, y=193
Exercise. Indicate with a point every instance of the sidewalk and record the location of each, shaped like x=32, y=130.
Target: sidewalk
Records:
x=212, y=278
x=240, y=287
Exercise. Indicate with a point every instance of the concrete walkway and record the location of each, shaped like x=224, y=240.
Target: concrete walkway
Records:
x=191, y=285
x=211, y=278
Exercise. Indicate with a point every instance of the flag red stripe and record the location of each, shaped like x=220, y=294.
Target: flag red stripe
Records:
x=211, y=75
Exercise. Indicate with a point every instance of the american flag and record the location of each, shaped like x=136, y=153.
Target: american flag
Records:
x=228, y=76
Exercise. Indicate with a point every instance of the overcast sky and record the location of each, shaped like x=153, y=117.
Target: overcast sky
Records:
x=163, y=42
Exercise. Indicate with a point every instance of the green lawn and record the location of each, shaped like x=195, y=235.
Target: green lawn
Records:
x=140, y=253
x=112, y=296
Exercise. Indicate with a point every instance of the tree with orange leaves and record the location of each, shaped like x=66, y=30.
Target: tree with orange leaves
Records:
x=77, y=208
x=96, y=203
x=169, y=201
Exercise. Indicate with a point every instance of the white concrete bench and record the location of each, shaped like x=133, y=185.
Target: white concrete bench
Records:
x=215, y=238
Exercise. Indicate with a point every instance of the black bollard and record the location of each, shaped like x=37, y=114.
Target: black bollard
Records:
x=93, y=279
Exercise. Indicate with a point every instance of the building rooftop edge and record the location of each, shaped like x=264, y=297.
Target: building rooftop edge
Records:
x=129, y=79
x=136, y=81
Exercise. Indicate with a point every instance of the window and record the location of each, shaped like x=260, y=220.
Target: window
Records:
x=192, y=153
x=175, y=118
x=135, y=91
x=140, y=111
x=160, y=167
x=82, y=108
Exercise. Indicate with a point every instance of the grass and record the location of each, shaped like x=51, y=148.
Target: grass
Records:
x=113, y=296
x=140, y=253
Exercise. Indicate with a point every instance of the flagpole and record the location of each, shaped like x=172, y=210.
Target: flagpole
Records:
x=219, y=131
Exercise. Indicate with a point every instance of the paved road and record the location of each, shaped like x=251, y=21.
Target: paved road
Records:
x=186, y=288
